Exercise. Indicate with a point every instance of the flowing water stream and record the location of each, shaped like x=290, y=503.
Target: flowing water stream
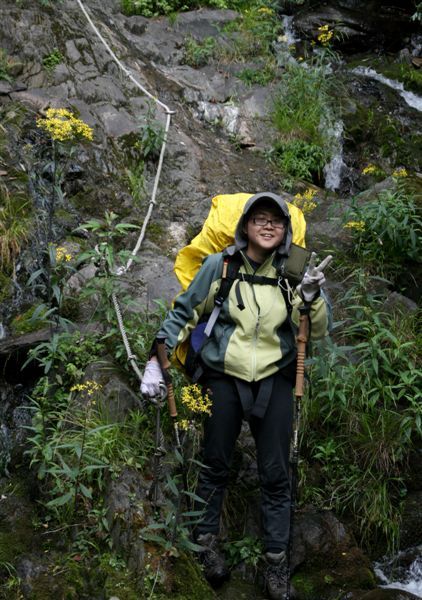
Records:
x=410, y=98
x=403, y=572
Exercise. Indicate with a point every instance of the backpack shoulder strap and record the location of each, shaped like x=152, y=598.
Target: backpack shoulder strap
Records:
x=231, y=266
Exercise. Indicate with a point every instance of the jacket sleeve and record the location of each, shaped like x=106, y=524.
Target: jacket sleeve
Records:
x=320, y=315
x=192, y=304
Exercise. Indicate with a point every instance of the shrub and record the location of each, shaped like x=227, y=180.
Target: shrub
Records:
x=304, y=116
x=53, y=59
x=386, y=230
x=300, y=159
x=15, y=224
x=154, y=8
x=364, y=416
x=4, y=66
x=199, y=53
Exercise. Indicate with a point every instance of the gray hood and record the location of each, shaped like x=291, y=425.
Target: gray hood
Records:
x=240, y=239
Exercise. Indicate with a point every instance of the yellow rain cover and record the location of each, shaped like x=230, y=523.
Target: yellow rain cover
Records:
x=218, y=232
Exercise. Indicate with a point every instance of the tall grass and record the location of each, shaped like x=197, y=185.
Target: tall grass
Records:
x=364, y=417
x=303, y=114
x=15, y=225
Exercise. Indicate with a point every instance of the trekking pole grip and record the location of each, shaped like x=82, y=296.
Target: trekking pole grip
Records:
x=165, y=364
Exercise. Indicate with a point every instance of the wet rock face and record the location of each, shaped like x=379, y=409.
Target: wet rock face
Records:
x=411, y=527
x=360, y=25
x=125, y=499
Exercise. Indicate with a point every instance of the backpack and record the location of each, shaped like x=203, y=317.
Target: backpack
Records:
x=216, y=235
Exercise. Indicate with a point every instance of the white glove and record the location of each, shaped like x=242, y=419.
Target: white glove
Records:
x=313, y=279
x=152, y=380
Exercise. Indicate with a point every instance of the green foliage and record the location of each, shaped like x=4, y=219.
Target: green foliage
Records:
x=303, y=113
x=257, y=76
x=136, y=181
x=151, y=136
x=390, y=230
x=155, y=8
x=15, y=223
x=417, y=15
x=254, y=33
x=199, y=53
x=248, y=550
x=364, y=417
x=299, y=158
x=53, y=59
x=4, y=66
x=74, y=446
x=26, y=322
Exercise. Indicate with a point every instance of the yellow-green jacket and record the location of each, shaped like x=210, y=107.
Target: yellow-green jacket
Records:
x=257, y=341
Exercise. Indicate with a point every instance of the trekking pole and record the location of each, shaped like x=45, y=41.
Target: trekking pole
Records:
x=165, y=365
x=302, y=340
x=159, y=450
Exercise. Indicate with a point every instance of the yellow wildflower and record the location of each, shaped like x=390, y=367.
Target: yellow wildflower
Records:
x=369, y=170
x=305, y=201
x=90, y=387
x=323, y=28
x=325, y=36
x=357, y=225
x=63, y=126
x=184, y=424
x=400, y=173
x=195, y=401
x=265, y=10
x=62, y=254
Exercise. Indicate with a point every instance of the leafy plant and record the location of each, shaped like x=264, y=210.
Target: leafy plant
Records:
x=15, y=223
x=363, y=417
x=151, y=135
x=386, y=230
x=304, y=115
x=199, y=53
x=248, y=550
x=4, y=66
x=136, y=181
x=155, y=8
x=53, y=59
x=254, y=32
x=257, y=76
x=299, y=159
x=417, y=15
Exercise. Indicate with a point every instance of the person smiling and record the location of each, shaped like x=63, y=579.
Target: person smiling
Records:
x=248, y=367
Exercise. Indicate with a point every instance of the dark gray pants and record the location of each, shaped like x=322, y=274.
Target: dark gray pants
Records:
x=272, y=438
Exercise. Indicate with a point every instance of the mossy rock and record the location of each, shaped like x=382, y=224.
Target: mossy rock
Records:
x=6, y=287
x=26, y=323
x=326, y=583
x=16, y=512
x=186, y=581
x=375, y=134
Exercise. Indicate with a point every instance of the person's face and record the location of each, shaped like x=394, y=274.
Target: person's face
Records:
x=265, y=229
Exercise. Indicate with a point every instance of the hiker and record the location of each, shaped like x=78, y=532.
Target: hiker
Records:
x=247, y=368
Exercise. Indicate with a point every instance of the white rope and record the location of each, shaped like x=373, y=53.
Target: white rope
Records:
x=132, y=357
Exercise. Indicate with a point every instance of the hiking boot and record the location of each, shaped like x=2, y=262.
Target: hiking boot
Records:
x=275, y=574
x=212, y=560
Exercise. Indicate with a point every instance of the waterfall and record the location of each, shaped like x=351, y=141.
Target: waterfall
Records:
x=289, y=34
x=333, y=169
x=406, y=578
x=410, y=98
x=2, y=331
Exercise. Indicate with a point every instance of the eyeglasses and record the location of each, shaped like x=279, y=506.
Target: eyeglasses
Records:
x=263, y=222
